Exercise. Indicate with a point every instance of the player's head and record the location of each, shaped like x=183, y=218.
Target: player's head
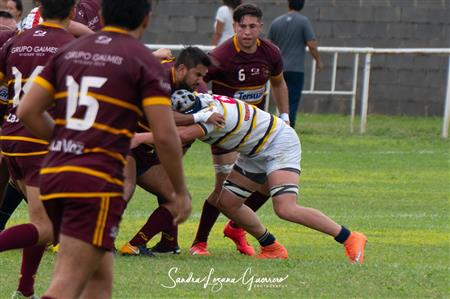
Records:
x=232, y=3
x=57, y=9
x=15, y=7
x=191, y=67
x=185, y=102
x=296, y=5
x=247, y=25
x=7, y=21
x=128, y=14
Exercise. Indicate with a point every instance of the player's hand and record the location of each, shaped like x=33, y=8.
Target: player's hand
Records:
x=183, y=208
x=163, y=54
x=216, y=119
x=140, y=138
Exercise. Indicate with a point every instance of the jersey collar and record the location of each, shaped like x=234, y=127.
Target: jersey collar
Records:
x=115, y=29
x=236, y=44
x=52, y=25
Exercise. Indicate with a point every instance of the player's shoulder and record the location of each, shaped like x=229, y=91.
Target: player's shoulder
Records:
x=267, y=46
x=224, y=51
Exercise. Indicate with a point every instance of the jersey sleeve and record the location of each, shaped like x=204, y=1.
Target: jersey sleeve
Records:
x=3, y=55
x=207, y=128
x=308, y=33
x=153, y=83
x=277, y=61
x=47, y=78
x=221, y=13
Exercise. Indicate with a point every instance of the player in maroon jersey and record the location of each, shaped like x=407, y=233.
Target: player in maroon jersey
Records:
x=88, y=13
x=99, y=86
x=187, y=71
x=245, y=63
x=22, y=58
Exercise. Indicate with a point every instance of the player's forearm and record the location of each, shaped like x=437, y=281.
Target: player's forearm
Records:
x=170, y=154
x=40, y=125
x=183, y=119
x=280, y=93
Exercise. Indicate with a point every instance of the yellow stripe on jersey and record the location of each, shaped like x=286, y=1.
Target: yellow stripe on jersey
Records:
x=140, y=124
x=45, y=84
x=53, y=25
x=279, y=76
x=23, y=138
x=238, y=88
x=81, y=169
x=101, y=127
x=30, y=154
x=152, y=101
x=240, y=117
x=14, y=81
x=106, y=99
x=78, y=195
x=101, y=221
x=272, y=129
x=116, y=102
x=115, y=155
x=3, y=103
x=2, y=77
x=252, y=127
x=114, y=29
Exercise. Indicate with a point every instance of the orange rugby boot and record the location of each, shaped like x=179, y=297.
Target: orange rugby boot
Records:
x=131, y=250
x=237, y=235
x=273, y=251
x=200, y=248
x=354, y=247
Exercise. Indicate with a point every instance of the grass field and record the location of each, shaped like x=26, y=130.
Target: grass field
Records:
x=391, y=183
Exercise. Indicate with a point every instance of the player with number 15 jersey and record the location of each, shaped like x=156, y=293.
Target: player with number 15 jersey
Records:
x=97, y=110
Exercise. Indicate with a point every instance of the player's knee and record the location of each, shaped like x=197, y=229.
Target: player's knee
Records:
x=282, y=205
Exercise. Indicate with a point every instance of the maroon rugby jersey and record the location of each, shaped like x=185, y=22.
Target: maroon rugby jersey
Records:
x=99, y=83
x=22, y=58
x=241, y=75
x=87, y=12
x=4, y=36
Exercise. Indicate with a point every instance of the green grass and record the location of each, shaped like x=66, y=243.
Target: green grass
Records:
x=392, y=183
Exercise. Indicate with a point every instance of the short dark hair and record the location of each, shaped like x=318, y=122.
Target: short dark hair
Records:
x=6, y=15
x=193, y=56
x=19, y=5
x=296, y=4
x=246, y=9
x=128, y=14
x=232, y=3
x=56, y=9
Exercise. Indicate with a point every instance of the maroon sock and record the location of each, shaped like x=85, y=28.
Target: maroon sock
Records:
x=159, y=220
x=169, y=236
x=31, y=258
x=19, y=236
x=254, y=202
x=209, y=216
x=46, y=297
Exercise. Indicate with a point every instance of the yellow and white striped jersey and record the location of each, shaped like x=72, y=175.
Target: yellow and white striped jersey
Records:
x=248, y=129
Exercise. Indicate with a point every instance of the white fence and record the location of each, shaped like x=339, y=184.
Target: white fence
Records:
x=368, y=52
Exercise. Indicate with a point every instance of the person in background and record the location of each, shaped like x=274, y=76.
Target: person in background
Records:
x=292, y=32
x=15, y=8
x=223, y=26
